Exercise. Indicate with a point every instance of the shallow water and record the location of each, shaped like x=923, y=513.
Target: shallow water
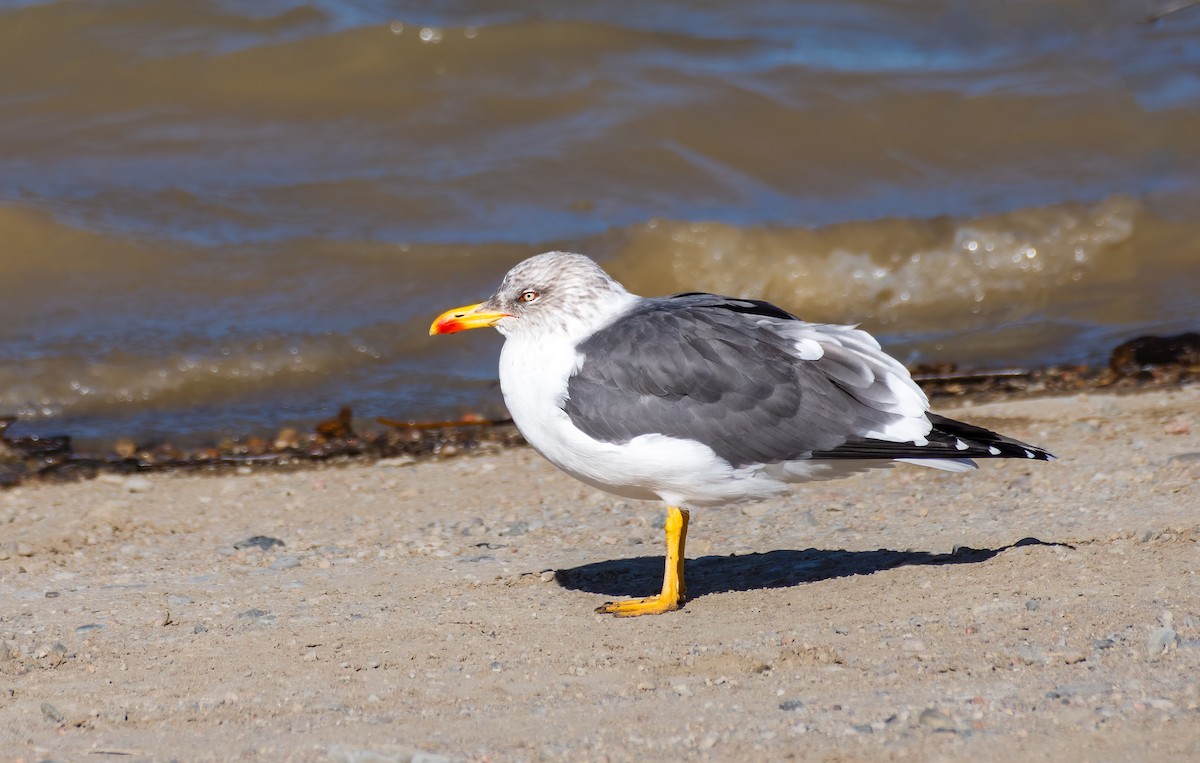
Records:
x=228, y=216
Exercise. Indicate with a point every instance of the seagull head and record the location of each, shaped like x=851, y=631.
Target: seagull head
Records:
x=551, y=294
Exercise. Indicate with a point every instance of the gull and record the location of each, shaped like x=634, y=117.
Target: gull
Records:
x=700, y=400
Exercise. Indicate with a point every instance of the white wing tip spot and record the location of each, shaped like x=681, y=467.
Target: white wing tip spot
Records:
x=1029, y=454
x=993, y=450
x=960, y=444
x=809, y=349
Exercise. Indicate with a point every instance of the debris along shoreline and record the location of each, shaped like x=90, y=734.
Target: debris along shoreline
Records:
x=332, y=441
x=1139, y=364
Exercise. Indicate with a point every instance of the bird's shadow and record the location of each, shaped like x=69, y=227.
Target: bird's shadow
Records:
x=642, y=575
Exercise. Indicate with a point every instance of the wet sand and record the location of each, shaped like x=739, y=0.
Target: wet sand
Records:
x=444, y=608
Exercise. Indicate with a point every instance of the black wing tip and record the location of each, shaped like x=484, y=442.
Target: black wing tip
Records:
x=935, y=449
x=977, y=439
x=1015, y=449
x=949, y=439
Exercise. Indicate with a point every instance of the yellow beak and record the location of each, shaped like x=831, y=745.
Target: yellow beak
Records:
x=463, y=318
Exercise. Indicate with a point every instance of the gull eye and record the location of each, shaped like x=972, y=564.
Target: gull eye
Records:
x=528, y=296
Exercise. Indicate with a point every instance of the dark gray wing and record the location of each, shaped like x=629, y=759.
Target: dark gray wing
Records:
x=730, y=374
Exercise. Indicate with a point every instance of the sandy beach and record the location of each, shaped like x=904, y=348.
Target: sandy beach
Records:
x=226, y=228
x=443, y=610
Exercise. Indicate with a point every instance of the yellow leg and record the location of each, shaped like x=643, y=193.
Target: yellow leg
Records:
x=672, y=595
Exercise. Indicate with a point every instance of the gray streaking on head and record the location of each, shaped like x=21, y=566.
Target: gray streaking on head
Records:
x=702, y=400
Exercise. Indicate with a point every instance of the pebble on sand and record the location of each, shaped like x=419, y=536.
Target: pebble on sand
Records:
x=1177, y=426
x=1161, y=640
x=932, y=718
x=51, y=713
x=261, y=542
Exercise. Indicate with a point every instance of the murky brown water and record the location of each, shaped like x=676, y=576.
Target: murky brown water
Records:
x=233, y=215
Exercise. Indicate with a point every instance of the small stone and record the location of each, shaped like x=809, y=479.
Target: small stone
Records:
x=520, y=527
x=546, y=576
x=1177, y=426
x=261, y=542
x=89, y=627
x=912, y=645
x=756, y=510
x=1161, y=640
x=24, y=549
x=932, y=718
x=177, y=601
x=841, y=630
x=51, y=713
x=254, y=614
x=682, y=689
x=1032, y=605
x=200, y=628
x=790, y=705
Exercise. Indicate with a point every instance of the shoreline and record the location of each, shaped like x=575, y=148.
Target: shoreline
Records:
x=444, y=607
x=1136, y=366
